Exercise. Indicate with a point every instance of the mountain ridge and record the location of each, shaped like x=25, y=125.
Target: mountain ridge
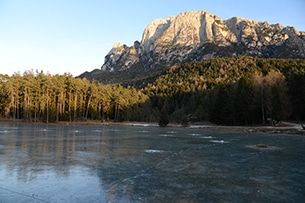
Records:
x=198, y=36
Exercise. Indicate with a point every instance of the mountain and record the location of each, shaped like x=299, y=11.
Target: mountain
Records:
x=197, y=36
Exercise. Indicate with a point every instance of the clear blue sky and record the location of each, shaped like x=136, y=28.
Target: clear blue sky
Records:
x=73, y=36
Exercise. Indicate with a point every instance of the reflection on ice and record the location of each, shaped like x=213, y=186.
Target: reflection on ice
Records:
x=48, y=186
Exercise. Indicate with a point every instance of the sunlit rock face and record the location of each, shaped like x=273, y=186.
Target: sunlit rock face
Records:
x=199, y=35
x=189, y=29
x=175, y=39
x=121, y=55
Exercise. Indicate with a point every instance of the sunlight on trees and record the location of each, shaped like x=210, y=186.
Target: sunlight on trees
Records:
x=227, y=91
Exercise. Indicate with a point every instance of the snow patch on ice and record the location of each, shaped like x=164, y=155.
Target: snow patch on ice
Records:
x=166, y=135
x=206, y=137
x=194, y=134
x=219, y=141
x=152, y=151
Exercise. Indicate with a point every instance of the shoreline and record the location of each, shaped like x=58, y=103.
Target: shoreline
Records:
x=285, y=128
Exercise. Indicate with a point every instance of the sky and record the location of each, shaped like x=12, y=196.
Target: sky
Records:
x=74, y=36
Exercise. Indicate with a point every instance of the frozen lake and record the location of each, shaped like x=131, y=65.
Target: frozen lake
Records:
x=40, y=163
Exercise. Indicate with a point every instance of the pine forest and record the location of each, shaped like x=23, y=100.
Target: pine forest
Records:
x=226, y=91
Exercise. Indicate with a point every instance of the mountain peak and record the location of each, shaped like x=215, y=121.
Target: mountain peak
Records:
x=199, y=35
x=117, y=44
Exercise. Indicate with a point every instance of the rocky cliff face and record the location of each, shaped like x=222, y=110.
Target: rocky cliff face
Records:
x=192, y=36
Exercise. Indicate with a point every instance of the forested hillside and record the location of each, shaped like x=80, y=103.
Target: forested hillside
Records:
x=229, y=91
x=232, y=91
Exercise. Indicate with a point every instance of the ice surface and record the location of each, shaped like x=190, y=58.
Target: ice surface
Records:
x=139, y=164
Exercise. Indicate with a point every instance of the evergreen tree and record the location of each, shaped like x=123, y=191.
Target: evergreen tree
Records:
x=163, y=120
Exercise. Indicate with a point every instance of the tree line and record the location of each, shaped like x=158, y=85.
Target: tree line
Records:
x=35, y=96
x=227, y=91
